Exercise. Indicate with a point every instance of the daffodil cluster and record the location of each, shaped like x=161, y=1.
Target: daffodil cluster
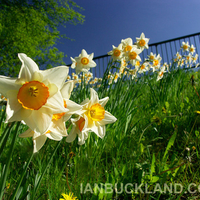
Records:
x=131, y=64
x=41, y=100
x=189, y=57
x=127, y=54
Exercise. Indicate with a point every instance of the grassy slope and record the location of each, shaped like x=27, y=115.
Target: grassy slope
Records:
x=134, y=150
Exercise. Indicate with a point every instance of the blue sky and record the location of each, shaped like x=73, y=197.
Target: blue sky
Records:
x=109, y=21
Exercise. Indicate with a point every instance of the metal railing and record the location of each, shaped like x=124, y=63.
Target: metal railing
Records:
x=167, y=50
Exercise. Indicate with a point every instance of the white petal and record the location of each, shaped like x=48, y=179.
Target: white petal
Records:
x=84, y=102
x=55, y=103
x=6, y=84
x=56, y=75
x=103, y=101
x=13, y=108
x=39, y=121
x=72, y=135
x=37, y=76
x=84, y=53
x=93, y=97
x=54, y=136
x=101, y=131
x=108, y=119
x=92, y=64
x=53, y=89
x=27, y=133
x=67, y=89
x=73, y=107
x=39, y=142
x=28, y=67
x=58, y=127
x=94, y=129
x=82, y=136
x=91, y=56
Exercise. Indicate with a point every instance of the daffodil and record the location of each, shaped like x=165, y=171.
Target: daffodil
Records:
x=77, y=129
x=123, y=66
x=142, y=42
x=57, y=129
x=143, y=68
x=133, y=55
x=178, y=56
x=83, y=62
x=94, y=117
x=194, y=58
x=35, y=95
x=151, y=56
x=161, y=73
x=192, y=49
x=185, y=46
x=127, y=44
x=188, y=58
x=156, y=63
x=117, y=52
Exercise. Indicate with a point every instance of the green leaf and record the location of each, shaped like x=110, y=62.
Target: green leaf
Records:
x=170, y=143
x=153, y=164
x=123, y=170
x=127, y=123
x=116, y=172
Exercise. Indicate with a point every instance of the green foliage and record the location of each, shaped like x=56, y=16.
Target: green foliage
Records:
x=30, y=27
x=155, y=140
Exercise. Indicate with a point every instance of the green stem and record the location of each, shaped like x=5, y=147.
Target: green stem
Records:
x=2, y=116
x=5, y=136
x=5, y=173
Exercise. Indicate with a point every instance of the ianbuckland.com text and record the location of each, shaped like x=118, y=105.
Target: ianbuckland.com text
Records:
x=129, y=188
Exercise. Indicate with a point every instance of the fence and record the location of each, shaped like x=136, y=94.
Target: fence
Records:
x=167, y=50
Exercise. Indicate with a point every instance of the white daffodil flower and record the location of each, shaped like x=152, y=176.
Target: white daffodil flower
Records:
x=133, y=55
x=151, y=56
x=156, y=63
x=192, y=49
x=194, y=58
x=143, y=68
x=93, y=118
x=57, y=129
x=35, y=95
x=77, y=129
x=185, y=46
x=127, y=44
x=116, y=53
x=142, y=42
x=83, y=62
x=188, y=58
x=161, y=73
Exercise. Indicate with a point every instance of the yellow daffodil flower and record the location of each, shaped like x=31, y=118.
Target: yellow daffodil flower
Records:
x=93, y=118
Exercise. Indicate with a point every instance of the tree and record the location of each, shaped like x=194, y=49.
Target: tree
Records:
x=31, y=27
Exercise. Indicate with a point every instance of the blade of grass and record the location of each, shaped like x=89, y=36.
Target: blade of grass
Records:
x=4, y=176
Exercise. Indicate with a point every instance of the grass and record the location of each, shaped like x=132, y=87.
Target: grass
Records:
x=155, y=141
